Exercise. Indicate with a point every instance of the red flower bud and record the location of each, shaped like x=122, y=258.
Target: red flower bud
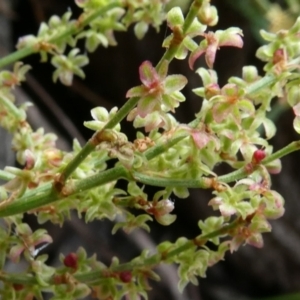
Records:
x=18, y=287
x=125, y=276
x=71, y=260
x=258, y=156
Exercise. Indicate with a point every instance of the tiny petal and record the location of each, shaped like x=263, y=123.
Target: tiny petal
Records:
x=132, y=114
x=227, y=210
x=233, y=41
x=200, y=139
x=165, y=219
x=236, y=243
x=210, y=54
x=274, y=167
x=146, y=105
x=296, y=109
x=231, y=37
x=174, y=83
x=136, y=91
x=220, y=111
x=15, y=253
x=255, y=240
x=195, y=55
x=163, y=70
x=148, y=74
x=140, y=29
x=215, y=201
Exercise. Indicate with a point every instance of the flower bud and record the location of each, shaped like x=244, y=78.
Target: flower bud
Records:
x=250, y=73
x=208, y=15
x=54, y=21
x=26, y=41
x=258, y=156
x=71, y=260
x=125, y=276
x=163, y=207
x=29, y=159
x=278, y=56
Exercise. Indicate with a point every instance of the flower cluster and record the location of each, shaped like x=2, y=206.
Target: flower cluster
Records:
x=232, y=127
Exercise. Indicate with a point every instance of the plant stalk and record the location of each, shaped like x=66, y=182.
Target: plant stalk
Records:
x=24, y=52
x=151, y=261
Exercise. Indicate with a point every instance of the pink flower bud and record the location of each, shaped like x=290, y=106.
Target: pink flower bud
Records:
x=29, y=159
x=163, y=207
x=278, y=56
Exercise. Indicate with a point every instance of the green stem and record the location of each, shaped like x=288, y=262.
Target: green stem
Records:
x=76, y=161
x=29, y=202
x=93, y=181
x=151, y=261
x=292, y=147
x=202, y=239
x=122, y=113
x=233, y=176
x=163, y=146
x=22, y=53
x=6, y=175
x=47, y=194
x=260, y=84
x=16, y=56
x=191, y=15
x=179, y=36
x=168, y=56
x=202, y=182
x=95, y=140
x=131, y=103
x=11, y=108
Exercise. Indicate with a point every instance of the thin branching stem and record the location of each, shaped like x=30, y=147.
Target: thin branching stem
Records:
x=149, y=262
x=75, y=28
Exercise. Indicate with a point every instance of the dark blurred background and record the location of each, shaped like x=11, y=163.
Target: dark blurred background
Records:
x=248, y=274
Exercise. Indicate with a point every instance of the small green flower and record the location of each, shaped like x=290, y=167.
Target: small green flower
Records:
x=175, y=20
x=67, y=66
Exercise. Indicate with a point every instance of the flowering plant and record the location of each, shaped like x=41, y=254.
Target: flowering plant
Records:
x=167, y=154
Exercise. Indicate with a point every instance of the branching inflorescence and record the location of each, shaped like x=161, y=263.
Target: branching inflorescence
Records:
x=231, y=127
